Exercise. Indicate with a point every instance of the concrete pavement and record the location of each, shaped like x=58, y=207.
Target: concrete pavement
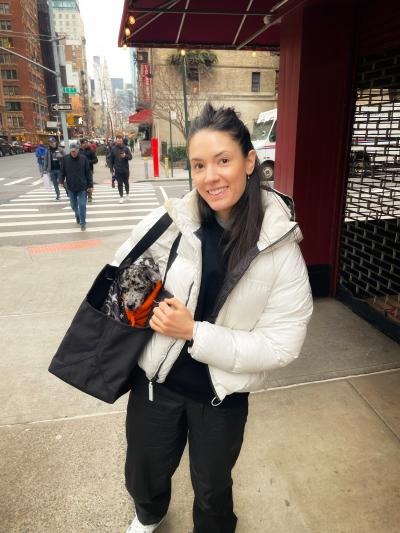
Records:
x=321, y=451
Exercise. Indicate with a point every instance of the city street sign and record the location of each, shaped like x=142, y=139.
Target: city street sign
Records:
x=70, y=90
x=61, y=107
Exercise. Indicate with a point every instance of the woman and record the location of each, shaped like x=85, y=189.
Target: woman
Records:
x=240, y=309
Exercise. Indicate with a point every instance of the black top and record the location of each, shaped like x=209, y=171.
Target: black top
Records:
x=55, y=156
x=91, y=156
x=188, y=376
x=76, y=172
x=119, y=163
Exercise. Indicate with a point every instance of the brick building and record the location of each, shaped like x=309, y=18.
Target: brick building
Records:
x=25, y=106
x=68, y=23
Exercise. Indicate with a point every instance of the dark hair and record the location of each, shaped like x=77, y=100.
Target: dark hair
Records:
x=247, y=214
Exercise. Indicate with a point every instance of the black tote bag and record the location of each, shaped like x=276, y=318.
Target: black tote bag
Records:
x=98, y=354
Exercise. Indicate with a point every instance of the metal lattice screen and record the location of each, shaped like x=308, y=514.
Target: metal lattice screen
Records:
x=370, y=248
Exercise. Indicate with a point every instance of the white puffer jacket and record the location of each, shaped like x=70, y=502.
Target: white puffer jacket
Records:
x=262, y=320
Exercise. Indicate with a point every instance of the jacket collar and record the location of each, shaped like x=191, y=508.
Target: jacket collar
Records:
x=278, y=223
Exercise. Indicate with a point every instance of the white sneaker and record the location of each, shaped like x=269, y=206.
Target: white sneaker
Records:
x=137, y=527
x=121, y=200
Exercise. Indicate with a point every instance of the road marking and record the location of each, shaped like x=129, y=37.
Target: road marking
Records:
x=164, y=193
x=18, y=181
x=1, y=179
x=59, y=246
x=120, y=206
x=11, y=209
x=59, y=231
x=37, y=182
x=63, y=221
x=98, y=197
x=29, y=204
x=45, y=215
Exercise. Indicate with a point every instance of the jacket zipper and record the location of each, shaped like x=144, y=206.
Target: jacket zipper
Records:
x=155, y=377
x=216, y=397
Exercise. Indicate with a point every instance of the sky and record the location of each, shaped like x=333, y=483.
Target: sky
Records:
x=101, y=19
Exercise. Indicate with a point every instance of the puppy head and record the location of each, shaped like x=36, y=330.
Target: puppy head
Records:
x=137, y=281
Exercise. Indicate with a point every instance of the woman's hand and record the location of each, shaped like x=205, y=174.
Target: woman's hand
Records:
x=173, y=319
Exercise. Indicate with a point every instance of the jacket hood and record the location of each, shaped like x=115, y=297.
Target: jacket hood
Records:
x=278, y=223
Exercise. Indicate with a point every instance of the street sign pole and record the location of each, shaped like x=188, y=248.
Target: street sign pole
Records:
x=185, y=107
x=172, y=115
x=58, y=75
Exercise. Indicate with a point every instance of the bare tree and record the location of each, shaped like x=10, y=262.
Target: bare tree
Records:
x=168, y=95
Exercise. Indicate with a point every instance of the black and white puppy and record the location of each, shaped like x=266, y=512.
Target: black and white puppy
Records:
x=137, y=281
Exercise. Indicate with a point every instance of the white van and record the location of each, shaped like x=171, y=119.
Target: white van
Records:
x=264, y=141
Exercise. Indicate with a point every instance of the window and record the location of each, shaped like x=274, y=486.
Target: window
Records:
x=10, y=90
x=6, y=42
x=15, y=122
x=193, y=73
x=9, y=74
x=255, y=82
x=7, y=59
x=13, y=106
x=5, y=25
x=4, y=8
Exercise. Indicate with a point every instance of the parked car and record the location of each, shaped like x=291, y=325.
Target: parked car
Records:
x=17, y=147
x=5, y=148
x=28, y=147
x=264, y=141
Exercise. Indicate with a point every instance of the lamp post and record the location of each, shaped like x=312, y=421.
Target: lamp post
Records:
x=184, y=77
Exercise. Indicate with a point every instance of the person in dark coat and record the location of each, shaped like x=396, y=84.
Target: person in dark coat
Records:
x=87, y=151
x=119, y=161
x=52, y=163
x=77, y=178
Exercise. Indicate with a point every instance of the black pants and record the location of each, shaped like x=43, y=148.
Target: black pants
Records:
x=123, y=179
x=157, y=433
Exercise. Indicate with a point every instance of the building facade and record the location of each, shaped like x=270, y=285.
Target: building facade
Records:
x=25, y=110
x=244, y=80
x=68, y=24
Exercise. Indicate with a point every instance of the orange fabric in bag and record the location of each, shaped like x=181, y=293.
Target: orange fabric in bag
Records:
x=140, y=316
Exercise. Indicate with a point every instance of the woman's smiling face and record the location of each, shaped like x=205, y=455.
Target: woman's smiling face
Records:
x=219, y=169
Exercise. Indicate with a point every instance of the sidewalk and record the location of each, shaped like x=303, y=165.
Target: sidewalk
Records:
x=138, y=172
x=320, y=457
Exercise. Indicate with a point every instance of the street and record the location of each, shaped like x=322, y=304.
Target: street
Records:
x=30, y=215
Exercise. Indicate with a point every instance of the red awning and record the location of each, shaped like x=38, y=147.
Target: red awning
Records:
x=226, y=24
x=144, y=116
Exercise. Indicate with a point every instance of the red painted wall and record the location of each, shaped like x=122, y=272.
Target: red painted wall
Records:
x=315, y=102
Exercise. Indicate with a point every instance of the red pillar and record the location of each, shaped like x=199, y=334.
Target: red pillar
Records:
x=154, y=152
x=314, y=116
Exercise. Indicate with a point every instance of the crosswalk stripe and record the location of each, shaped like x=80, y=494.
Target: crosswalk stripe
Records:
x=17, y=181
x=89, y=206
x=125, y=205
x=63, y=221
x=11, y=209
x=36, y=182
x=1, y=179
x=98, y=197
x=52, y=215
x=65, y=230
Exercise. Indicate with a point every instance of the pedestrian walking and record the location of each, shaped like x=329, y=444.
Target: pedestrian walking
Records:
x=241, y=306
x=40, y=153
x=88, y=151
x=52, y=164
x=77, y=178
x=119, y=161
